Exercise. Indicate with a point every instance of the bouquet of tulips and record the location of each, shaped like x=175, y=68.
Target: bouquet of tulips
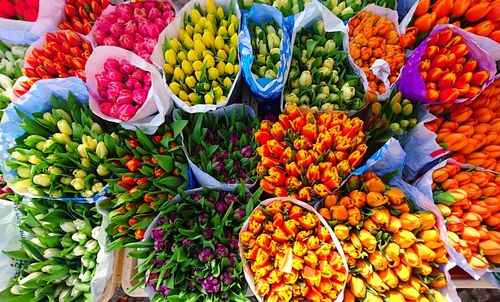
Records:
x=290, y=254
x=59, y=260
x=62, y=151
x=470, y=129
x=201, y=63
x=134, y=26
x=191, y=254
x=11, y=66
x=306, y=156
x=450, y=67
x=348, y=8
x=222, y=144
x=149, y=170
x=367, y=33
x=391, y=118
x=320, y=75
x=469, y=203
x=81, y=15
x=287, y=7
x=60, y=54
x=477, y=17
x=266, y=41
x=26, y=10
x=392, y=250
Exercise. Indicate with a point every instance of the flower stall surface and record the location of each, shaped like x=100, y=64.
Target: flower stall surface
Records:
x=125, y=129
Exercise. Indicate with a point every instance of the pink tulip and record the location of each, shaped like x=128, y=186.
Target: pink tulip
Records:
x=102, y=79
x=111, y=64
x=114, y=111
x=115, y=75
x=114, y=89
x=147, y=80
x=126, y=111
x=154, y=13
x=160, y=23
x=126, y=41
x=124, y=11
x=149, y=44
x=125, y=97
x=130, y=83
x=110, y=41
x=138, y=86
x=138, y=38
x=103, y=91
x=168, y=16
x=138, y=74
x=106, y=107
x=148, y=5
x=117, y=30
x=130, y=27
x=99, y=36
x=140, y=13
x=126, y=67
x=139, y=96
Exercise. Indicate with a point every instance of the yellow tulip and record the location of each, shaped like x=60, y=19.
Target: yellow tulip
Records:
x=229, y=68
x=221, y=68
x=179, y=74
x=190, y=81
x=233, y=42
x=194, y=97
x=190, y=30
x=188, y=42
x=227, y=82
x=209, y=26
x=195, y=16
x=340, y=230
x=222, y=31
x=389, y=277
x=182, y=34
x=438, y=297
x=207, y=52
x=425, y=269
x=197, y=65
x=169, y=69
x=378, y=260
x=364, y=267
x=175, y=87
x=408, y=292
x=410, y=257
x=214, y=84
x=198, y=28
x=368, y=240
x=209, y=62
x=211, y=7
x=209, y=99
x=231, y=29
x=174, y=44
x=394, y=225
x=358, y=287
x=213, y=73
x=376, y=282
x=199, y=47
x=192, y=56
x=356, y=242
x=224, y=23
x=219, y=42
x=221, y=54
x=218, y=92
x=409, y=221
x=181, y=55
x=427, y=219
x=371, y=297
x=170, y=57
x=430, y=238
x=404, y=238
x=186, y=67
x=236, y=68
x=234, y=20
x=395, y=296
x=220, y=13
x=424, y=252
x=183, y=96
x=221, y=99
x=403, y=271
x=197, y=74
x=208, y=39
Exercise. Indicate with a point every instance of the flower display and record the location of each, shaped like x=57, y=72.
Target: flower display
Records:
x=449, y=72
x=468, y=201
x=307, y=155
x=62, y=151
x=391, y=248
x=61, y=255
x=223, y=146
x=134, y=26
x=320, y=76
x=26, y=10
x=81, y=15
x=149, y=170
x=266, y=44
x=63, y=54
x=192, y=252
x=201, y=63
x=123, y=89
x=477, y=17
x=11, y=66
x=470, y=129
x=291, y=254
x=367, y=32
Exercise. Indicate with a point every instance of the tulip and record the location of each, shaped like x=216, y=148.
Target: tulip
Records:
x=409, y=221
x=404, y=238
x=358, y=288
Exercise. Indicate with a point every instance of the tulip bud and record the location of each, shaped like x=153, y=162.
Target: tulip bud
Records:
x=23, y=172
x=347, y=91
x=18, y=156
x=79, y=237
x=404, y=238
x=102, y=171
x=49, y=118
x=92, y=246
x=341, y=231
x=101, y=150
x=42, y=180
x=78, y=184
x=96, y=128
x=21, y=185
x=409, y=221
x=68, y=227
x=90, y=142
x=66, y=180
x=378, y=260
x=55, y=170
x=64, y=127
x=61, y=138
x=305, y=78
x=34, y=160
x=71, y=280
x=51, y=252
x=358, y=287
x=78, y=173
x=85, y=277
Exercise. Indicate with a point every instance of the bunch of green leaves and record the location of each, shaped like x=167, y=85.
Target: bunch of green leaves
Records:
x=266, y=42
x=185, y=224
x=59, y=259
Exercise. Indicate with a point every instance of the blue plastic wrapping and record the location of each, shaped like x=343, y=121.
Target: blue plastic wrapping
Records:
x=17, y=37
x=264, y=88
x=37, y=99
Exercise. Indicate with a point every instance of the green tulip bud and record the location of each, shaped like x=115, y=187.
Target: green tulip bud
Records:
x=85, y=163
x=51, y=253
x=64, y=127
x=31, y=277
x=394, y=127
x=88, y=263
x=79, y=173
x=42, y=180
x=291, y=98
x=330, y=46
x=327, y=106
x=40, y=232
x=55, y=170
x=347, y=91
x=18, y=156
x=61, y=138
x=305, y=78
x=40, y=145
x=38, y=242
x=49, y=118
x=85, y=277
x=78, y=184
x=89, y=142
x=96, y=128
x=64, y=114
x=87, y=194
x=68, y=227
x=52, y=157
x=92, y=246
x=22, y=185
x=79, y=237
x=64, y=294
x=404, y=124
x=101, y=150
x=95, y=232
x=102, y=171
x=78, y=251
x=66, y=241
x=413, y=122
x=329, y=63
x=17, y=290
x=407, y=109
x=82, y=150
x=66, y=180
x=71, y=280
x=23, y=172
x=396, y=108
x=115, y=136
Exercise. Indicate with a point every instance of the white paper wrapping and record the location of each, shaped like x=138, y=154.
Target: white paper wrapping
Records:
x=10, y=241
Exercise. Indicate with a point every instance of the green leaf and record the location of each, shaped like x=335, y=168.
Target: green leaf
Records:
x=33, y=249
x=178, y=126
x=166, y=162
x=140, y=254
x=144, y=140
x=19, y=255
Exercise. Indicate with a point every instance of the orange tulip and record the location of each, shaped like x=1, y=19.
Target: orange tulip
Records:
x=440, y=175
x=341, y=231
x=478, y=11
x=375, y=199
x=444, y=209
x=478, y=261
x=460, y=7
x=489, y=247
x=375, y=184
x=411, y=258
x=455, y=141
x=409, y=221
x=395, y=195
x=404, y=238
x=381, y=216
x=425, y=22
x=394, y=225
x=427, y=220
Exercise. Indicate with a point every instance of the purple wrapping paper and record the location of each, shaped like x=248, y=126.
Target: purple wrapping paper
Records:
x=411, y=83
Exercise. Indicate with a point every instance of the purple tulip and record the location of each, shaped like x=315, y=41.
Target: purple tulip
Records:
x=220, y=250
x=211, y=284
x=172, y=217
x=242, y=174
x=232, y=181
x=124, y=11
x=232, y=259
x=154, y=13
x=230, y=198
x=206, y=255
x=110, y=41
x=203, y=218
x=186, y=243
x=162, y=220
x=191, y=285
x=151, y=281
x=159, y=245
x=164, y=290
x=99, y=36
x=158, y=262
x=157, y=233
x=208, y=233
x=228, y=233
x=139, y=96
x=210, y=199
x=117, y=29
x=126, y=41
x=239, y=214
x=247, y=151
x=221, y=207
x=219, y=166
x=190, y=223
x=224, y=154
x=226, y=278
x=233, y=138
